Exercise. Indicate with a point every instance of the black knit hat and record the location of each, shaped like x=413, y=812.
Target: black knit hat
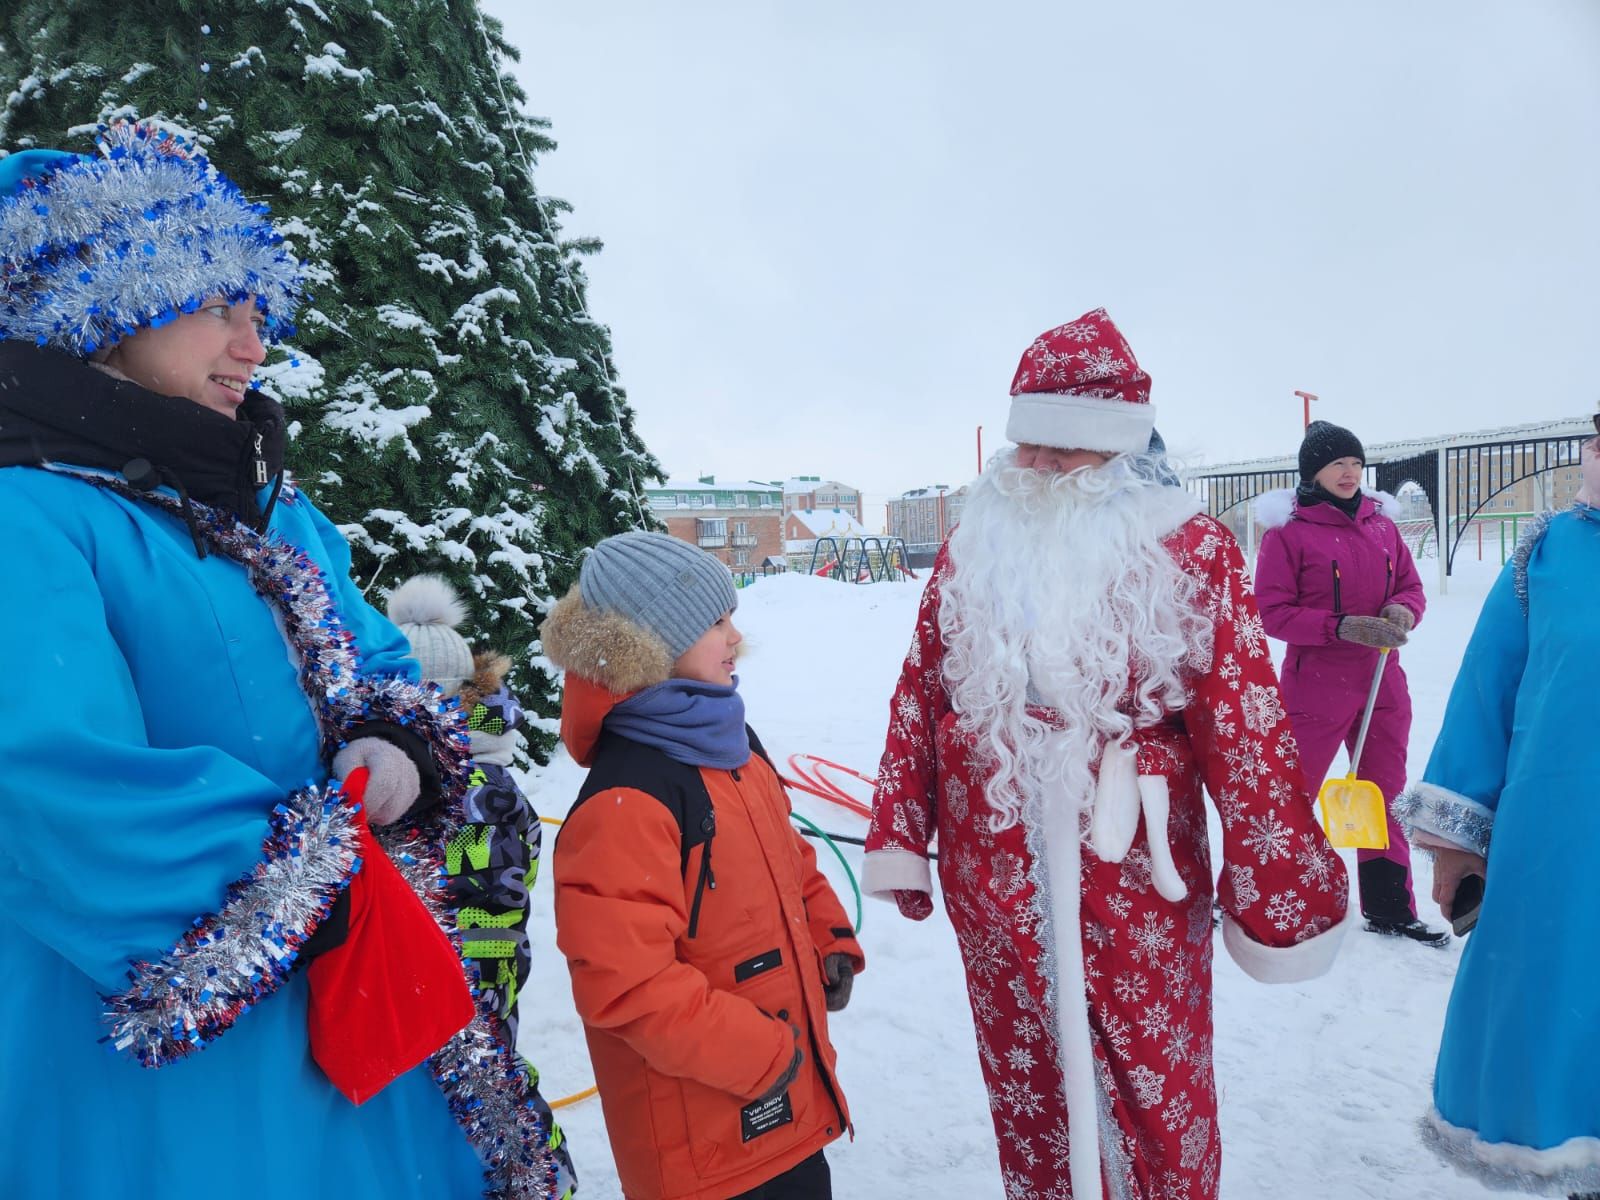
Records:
x=1324, y=442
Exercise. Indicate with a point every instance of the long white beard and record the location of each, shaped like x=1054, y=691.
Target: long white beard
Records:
x=1061, y=593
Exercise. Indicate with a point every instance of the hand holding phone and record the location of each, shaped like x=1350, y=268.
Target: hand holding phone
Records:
x=1464, y=907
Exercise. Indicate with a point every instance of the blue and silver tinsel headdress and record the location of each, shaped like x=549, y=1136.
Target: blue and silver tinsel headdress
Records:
x=95, y=249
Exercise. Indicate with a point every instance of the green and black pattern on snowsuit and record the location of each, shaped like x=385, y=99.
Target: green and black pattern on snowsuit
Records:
x=490, y=867
x=493, y=861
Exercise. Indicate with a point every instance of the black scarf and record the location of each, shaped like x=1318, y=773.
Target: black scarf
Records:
x=55, y=408
x=1314, y=493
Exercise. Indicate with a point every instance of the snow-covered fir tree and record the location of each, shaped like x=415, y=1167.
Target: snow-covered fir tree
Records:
x=453, y=404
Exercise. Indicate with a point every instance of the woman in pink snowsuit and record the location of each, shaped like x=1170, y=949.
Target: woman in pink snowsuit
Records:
x=1335, y=581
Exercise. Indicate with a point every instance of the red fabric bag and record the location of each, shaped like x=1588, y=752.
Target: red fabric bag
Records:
x=394, y=991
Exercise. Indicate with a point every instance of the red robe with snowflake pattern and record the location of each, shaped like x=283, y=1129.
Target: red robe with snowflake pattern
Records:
x=1147, y=961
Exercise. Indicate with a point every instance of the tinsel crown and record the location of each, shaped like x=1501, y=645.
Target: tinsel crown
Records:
x=94, y=249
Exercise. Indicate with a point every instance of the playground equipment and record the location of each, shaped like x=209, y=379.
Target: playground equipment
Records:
x=861, y=559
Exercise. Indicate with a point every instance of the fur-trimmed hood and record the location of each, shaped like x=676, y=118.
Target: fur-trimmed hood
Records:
x=604, y=648
x=606, y=658
x=1278, y=507
x=489, y=671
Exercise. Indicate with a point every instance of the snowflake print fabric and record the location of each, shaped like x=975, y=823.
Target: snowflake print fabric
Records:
x=1146, y=961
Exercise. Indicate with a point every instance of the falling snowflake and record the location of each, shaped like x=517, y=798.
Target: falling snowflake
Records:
x=1263, y=708
x=1268, y=837
x=1285, y=909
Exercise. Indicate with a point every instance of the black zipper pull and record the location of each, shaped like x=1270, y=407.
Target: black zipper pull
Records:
x=1338, y=601
x=261, y=465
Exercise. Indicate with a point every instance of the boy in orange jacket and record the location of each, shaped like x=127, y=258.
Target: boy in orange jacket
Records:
x=706, y=949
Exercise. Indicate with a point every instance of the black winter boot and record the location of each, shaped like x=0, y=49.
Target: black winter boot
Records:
x=1386, y=903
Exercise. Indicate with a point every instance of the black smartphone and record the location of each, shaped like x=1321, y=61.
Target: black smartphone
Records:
x=1464, y=908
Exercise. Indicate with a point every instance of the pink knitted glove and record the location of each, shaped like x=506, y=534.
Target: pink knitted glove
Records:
x=393, y=786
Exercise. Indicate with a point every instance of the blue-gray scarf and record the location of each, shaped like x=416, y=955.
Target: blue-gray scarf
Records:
x=701, y=724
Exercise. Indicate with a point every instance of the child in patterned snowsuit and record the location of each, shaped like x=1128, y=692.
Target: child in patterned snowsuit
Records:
x=492, y=861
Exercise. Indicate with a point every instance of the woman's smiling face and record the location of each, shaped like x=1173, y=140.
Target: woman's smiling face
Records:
x=206, y=356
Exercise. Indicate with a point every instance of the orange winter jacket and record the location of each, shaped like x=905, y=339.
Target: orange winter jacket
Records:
x=694, y=921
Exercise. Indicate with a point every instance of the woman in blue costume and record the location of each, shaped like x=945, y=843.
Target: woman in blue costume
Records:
x=188, y=666
x=1510, y=794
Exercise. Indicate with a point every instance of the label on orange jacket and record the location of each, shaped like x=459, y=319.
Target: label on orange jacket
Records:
x=764, y=1116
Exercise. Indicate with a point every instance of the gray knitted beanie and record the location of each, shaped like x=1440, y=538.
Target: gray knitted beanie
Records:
x=427, y=611
x=675, y=590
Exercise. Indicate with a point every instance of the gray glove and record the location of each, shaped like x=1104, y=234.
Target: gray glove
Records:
x=393, y=786
x=841, y=974
x=1371, y=631
x=1398, y=614
x=781, y=1084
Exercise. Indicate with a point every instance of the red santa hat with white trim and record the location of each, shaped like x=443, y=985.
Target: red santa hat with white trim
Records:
x=1078, y=387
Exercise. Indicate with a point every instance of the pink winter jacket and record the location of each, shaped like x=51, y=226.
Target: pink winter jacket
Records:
x=1316, y=565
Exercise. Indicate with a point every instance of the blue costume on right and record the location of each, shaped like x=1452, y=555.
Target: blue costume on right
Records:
x=1513, y=777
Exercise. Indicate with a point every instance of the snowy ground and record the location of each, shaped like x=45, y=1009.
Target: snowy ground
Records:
x=1321, y=1083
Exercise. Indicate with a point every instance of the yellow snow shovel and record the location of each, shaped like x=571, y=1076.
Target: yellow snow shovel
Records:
x=1353, y=811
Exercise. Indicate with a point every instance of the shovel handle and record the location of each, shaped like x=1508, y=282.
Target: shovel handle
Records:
x=1366, y=714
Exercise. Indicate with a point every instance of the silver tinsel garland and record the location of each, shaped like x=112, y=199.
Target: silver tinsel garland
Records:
x=1444, y=813
x=231, y=958
x=486, y=1084
x=100, y=247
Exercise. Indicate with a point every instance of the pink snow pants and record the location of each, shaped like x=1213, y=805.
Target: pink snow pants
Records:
x=1383, y=761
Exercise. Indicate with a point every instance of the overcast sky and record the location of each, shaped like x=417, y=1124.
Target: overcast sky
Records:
x=832, y=227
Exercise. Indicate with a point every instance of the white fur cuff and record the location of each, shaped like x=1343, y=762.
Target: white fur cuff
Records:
x=1283, y=964
x=884, y=872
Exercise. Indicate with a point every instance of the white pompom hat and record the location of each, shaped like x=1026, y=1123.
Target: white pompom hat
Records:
x=427, y=610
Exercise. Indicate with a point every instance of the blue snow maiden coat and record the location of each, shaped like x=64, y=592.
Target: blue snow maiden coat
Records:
x=157, y=747
x=1514, y=776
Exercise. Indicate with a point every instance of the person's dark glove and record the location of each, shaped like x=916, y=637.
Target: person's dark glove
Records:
x=781, y=1084
x=841, y=974
x=1371, y=631
x=1399, y=614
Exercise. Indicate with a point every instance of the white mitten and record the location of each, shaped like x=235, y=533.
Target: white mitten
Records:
x=1156, y=802
x=1116, y=802
x=393, y=786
